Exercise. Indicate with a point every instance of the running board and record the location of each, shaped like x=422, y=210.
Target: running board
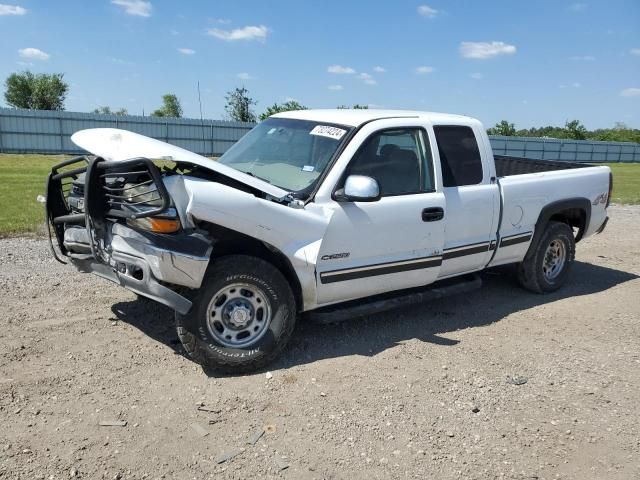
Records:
x=389, y=301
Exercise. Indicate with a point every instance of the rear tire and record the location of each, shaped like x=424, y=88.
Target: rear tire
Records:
x=242, y=317
x=546, y=268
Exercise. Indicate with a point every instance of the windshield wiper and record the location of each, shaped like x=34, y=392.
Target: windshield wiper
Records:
x=256, y=176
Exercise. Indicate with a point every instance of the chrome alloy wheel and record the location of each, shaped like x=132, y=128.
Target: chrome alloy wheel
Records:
x=238, y=315
x=554, y=259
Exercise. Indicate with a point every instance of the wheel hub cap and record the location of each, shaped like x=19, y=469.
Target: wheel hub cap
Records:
x=238, y=315
x=554, y=259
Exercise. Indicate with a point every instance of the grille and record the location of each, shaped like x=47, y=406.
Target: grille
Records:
x=129, y=189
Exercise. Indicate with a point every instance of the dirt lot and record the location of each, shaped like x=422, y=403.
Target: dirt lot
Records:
x=415, y=393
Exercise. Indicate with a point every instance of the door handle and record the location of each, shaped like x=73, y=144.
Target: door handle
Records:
x=432, y=214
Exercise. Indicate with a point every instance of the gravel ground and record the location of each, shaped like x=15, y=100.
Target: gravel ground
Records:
x=500, y=383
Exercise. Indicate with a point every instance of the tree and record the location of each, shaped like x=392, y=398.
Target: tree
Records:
x=285, y=107
x=170, y=107
x=619, y=133
x=357, y=106
x=239, y=104
x=503, y=128
x=36, y=92
x=106, y=110
x=575, y=130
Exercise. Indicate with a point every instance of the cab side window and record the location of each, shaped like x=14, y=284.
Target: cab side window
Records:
x=397, y=160
x=459, y=156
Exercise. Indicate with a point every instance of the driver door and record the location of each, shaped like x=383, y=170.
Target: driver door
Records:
x=392, y=243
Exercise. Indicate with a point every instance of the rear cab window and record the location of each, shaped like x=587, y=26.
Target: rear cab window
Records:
x=459, y=155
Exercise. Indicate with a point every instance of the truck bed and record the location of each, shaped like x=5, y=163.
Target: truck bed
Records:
x=507, y=166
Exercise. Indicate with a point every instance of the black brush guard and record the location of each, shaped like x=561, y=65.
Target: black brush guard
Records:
x=105, y=196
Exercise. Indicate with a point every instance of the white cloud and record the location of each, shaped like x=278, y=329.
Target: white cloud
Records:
x=379, y=69
x=340, y=70
x=187, y=51
x=422, y=70
x=635, y=51
x=11, y=10
x=244, y=76
x=485, y=50
x=477, y=76
x=120, y=61
x=574, y=85
x=33, y=53
x=427, y=11
x=583, y=58
x=250, y=32
x=578, y=7
x=335, y=88
x=138, y=8
x=630, y=92
x=367, y=79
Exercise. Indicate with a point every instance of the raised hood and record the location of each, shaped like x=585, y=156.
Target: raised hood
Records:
x=114, y=144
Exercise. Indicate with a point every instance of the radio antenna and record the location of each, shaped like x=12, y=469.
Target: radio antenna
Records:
x=204, y=143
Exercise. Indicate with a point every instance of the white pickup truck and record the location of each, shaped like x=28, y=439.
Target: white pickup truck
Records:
x=330, y=213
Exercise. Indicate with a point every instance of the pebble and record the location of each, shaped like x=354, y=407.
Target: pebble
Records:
x=229, y=455
x=281, y=462
x=269, y=375
x=517, y=380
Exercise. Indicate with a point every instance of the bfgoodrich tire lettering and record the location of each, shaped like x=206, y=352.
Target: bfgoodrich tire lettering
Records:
x=534, y=273
x=194, y=331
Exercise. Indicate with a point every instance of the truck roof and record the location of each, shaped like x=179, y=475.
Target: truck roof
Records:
x=356, y=117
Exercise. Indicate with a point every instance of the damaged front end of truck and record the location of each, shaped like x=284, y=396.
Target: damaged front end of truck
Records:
x=116, y=219
x=151, y=216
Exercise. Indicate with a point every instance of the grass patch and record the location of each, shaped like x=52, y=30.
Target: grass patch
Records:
x=626, y=182
x=22, y=179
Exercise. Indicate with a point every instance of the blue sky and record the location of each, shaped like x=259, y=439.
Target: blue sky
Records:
x=532, y=62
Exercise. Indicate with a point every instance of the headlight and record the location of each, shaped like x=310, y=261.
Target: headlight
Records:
x=141, y=193
x=166, y=223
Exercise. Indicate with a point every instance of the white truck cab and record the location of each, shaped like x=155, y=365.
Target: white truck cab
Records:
x=331, y=213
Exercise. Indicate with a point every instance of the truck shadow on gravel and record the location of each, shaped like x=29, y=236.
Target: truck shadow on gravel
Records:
x=499, y=297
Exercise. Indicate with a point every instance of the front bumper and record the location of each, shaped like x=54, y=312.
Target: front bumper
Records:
x=146, y=263
x=87, y=220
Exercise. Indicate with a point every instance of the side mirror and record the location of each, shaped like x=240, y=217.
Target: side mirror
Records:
x=359, y=188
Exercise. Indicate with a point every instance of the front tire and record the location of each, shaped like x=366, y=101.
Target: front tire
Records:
x=546, y=269
x=242, y=317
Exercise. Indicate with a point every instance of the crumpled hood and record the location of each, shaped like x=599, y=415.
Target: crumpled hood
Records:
x=114, y=144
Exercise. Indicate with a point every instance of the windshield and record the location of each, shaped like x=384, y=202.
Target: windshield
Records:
x=290, y=154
